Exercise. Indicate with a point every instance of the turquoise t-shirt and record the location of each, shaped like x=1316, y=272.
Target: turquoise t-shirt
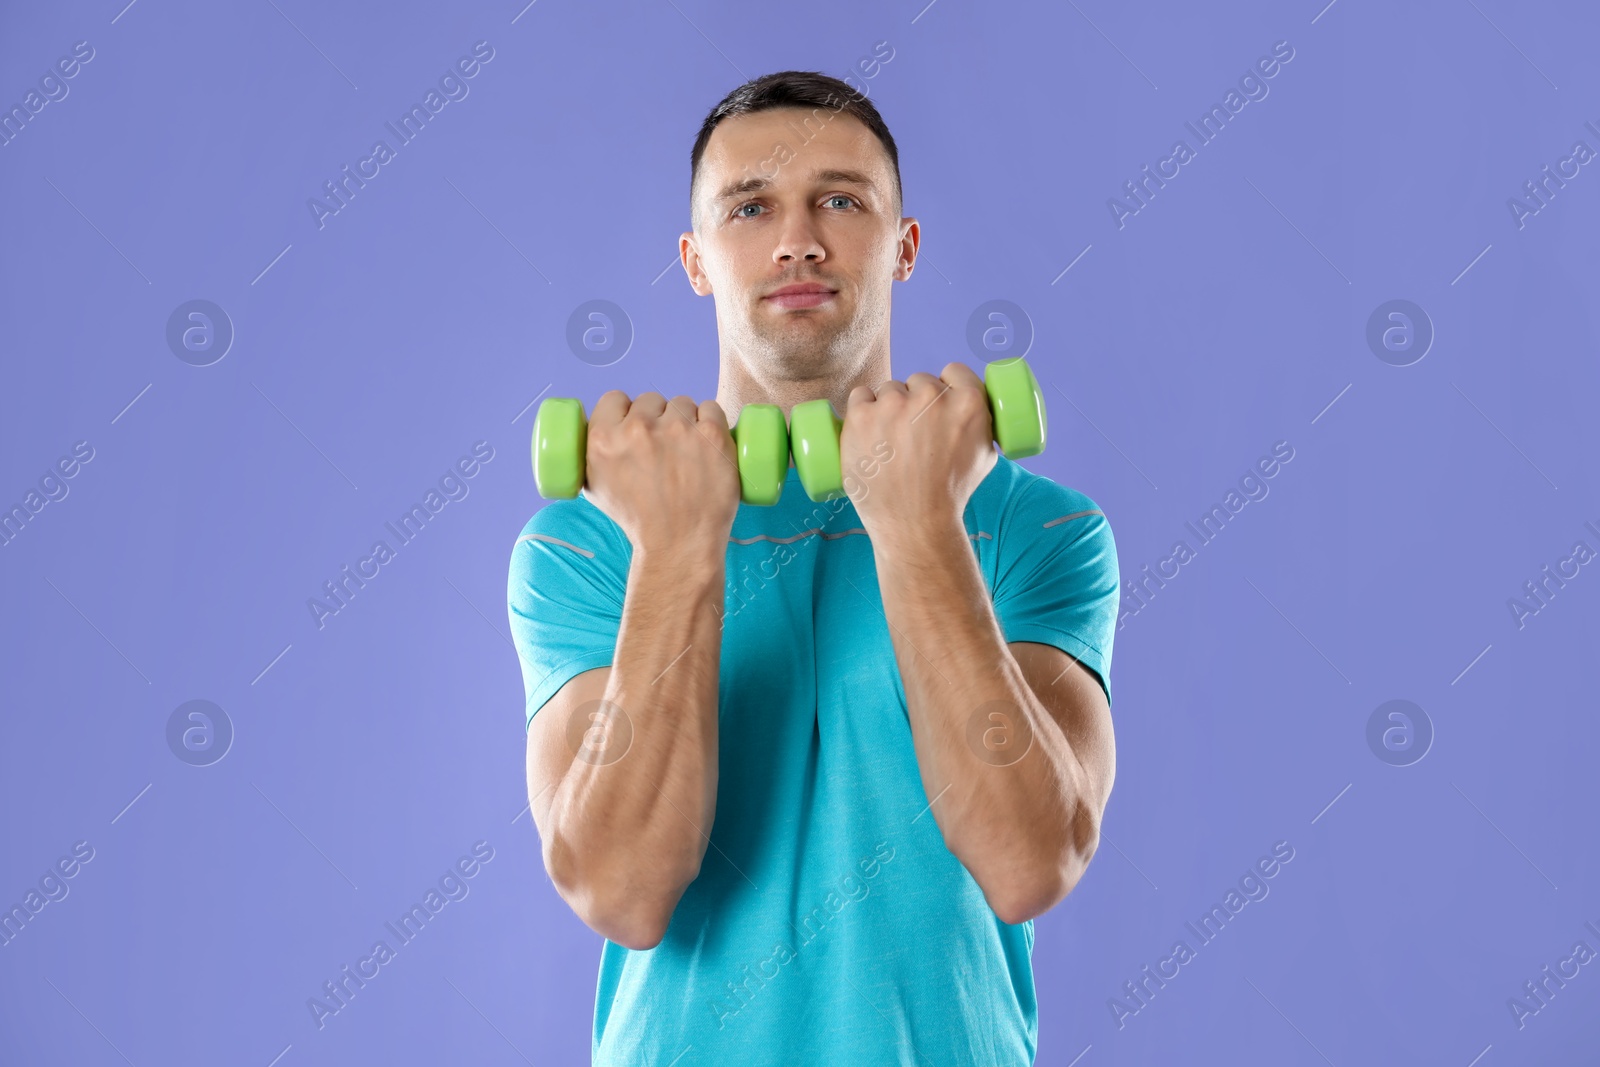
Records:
x=829, y=922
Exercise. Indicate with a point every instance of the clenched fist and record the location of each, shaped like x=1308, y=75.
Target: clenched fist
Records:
x=667, y=474
x=943, y=428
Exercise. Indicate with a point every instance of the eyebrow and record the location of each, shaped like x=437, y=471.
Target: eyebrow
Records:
x=821, y=177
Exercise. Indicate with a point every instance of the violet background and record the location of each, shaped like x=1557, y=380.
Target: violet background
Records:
x=370, y=354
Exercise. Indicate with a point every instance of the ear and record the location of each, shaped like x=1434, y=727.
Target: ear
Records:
x=910, y=241
x=689, y=253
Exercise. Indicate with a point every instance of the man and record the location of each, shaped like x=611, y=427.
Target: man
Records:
x=812, y=769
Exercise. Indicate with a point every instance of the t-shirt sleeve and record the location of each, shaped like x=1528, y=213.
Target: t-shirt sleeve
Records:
x=1057, y=580
x=564, y=593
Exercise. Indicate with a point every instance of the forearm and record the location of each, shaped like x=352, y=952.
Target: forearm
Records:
x=633, y=814
x=1015, y=822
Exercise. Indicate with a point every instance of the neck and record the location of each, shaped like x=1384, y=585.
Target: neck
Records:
x=739, y=382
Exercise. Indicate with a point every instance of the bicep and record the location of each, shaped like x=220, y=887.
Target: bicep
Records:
x=1077, y=704
x=554, y=738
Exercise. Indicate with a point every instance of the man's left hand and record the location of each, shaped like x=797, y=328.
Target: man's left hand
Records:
x=938, y=436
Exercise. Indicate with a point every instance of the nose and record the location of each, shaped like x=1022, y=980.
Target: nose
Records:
x=798, y=240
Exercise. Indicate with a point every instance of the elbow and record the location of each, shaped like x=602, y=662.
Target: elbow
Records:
x=1049, y=879
x=637, y=928
x=619, y=905
x=1028, y=901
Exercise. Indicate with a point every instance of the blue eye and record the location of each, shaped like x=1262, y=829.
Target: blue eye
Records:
x=739, y=211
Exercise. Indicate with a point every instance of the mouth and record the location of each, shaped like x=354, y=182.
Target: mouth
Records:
x=808, y=295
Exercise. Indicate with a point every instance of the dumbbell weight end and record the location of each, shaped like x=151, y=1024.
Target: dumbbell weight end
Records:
x=1017, y=405
x=560, y=442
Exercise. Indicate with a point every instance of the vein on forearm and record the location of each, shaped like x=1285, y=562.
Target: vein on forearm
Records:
x=648, y=806
x=1001, y=821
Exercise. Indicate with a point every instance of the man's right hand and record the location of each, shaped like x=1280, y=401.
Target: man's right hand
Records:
x=668, y=475
x=624, y=835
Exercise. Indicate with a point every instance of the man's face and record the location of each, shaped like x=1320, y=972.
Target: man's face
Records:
x=795, y=196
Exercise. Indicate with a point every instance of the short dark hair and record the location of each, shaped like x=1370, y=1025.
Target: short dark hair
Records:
x=801, y=89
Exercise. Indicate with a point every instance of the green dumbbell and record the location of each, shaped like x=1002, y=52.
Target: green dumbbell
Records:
x=561, y=437
x=1015, y=402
